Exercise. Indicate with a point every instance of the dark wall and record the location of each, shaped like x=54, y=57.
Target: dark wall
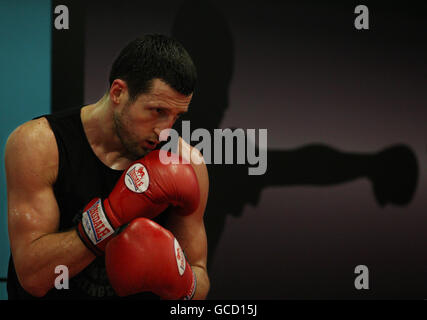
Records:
x=68, y=59
x=345, y=111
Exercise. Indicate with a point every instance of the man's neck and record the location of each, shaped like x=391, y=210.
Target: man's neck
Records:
x=98, y=124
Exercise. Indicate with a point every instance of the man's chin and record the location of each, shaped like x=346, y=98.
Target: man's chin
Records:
x=140, y=154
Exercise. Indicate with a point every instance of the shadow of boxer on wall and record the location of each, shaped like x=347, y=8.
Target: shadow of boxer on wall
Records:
x=204, y=31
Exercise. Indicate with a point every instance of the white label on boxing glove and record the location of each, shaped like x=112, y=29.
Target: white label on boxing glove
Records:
x=137, y=179
x=180, y=258
x=96, y=224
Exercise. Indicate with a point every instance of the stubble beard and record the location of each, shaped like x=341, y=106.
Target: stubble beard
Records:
x=134, y=151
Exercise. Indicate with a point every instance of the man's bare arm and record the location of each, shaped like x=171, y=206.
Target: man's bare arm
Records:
x=31, y=161
x=190, y=230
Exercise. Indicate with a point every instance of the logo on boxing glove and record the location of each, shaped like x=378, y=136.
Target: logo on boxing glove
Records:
x=96, y=224
x=180, y=258
x=137, y=179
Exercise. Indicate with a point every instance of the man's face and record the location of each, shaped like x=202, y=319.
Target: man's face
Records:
x=138, y=124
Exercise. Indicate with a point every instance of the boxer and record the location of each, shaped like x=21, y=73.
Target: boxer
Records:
x=81, y=179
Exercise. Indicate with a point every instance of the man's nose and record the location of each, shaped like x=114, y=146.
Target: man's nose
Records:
x=164, y=127
x=162, y=134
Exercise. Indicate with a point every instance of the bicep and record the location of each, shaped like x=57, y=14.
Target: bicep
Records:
x=31, y=214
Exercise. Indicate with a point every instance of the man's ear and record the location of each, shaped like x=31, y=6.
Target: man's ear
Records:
x=118, y=91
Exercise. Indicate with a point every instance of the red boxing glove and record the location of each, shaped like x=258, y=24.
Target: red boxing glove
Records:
x=147, y=257
x=145, y=189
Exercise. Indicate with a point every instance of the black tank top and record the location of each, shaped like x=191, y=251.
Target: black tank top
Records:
x=81, y=177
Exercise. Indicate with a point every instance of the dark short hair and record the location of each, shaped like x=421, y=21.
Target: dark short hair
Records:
x=154, y=56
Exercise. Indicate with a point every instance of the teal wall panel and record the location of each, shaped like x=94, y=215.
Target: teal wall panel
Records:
x=25, y=64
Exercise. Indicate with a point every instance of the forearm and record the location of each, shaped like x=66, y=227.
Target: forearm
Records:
x=203, y=283
x=36, y=262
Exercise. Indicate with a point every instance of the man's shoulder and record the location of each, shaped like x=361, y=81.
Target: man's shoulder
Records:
x=193, y=156
x=32, y=143
x=33, y=133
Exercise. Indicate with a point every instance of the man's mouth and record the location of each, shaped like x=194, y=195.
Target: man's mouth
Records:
x=149, y=144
